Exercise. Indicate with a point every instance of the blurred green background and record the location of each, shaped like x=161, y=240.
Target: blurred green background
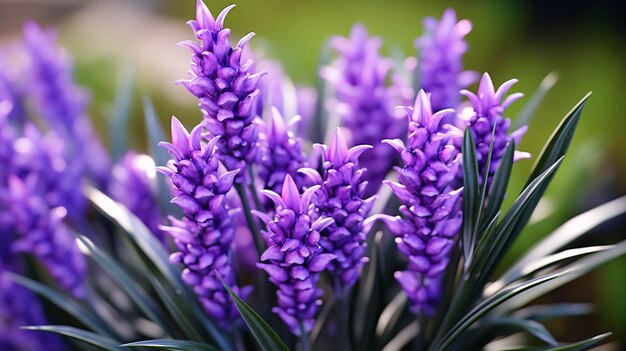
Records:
x=582, y=41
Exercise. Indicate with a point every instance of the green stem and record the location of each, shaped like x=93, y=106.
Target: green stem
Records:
x=258, y=240
x=304, y=338
x=342, y=314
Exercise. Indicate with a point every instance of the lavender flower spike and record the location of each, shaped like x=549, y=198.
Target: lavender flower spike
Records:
x=428, y=188
x=282, y=153
x=205, y=234
x=294, y=258
x=486, y=112
x=366, y=104
x=440, y=64
x=225, y=88
x=341, y=198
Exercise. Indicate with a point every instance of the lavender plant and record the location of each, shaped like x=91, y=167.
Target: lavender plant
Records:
x=332, y=242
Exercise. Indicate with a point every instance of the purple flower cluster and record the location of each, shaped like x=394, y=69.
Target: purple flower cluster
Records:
x=341, y=197
x=282, y=153
x=366, y=104
x=440, y=63
x=294, y=258
x=487, y=113
x=205, y=234
x=63, y=104
x=132, y=184
x=428, y=188
x=225, y=88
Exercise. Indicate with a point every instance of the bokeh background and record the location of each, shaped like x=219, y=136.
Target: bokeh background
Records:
x=583, y=42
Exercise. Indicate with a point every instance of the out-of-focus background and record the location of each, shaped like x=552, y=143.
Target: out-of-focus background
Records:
x=583, y=42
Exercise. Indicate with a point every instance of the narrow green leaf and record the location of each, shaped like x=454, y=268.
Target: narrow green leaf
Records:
x=528, y=111
x=559, y=141
x=529, y=326
x=66, y=303
x=128, y=284
x=492, y=302
x=137, y=231
x=492, y=247
x=391, y=314
x=94, y=339
x=576, y=269
x=572, y=230
x=499, y=184
x=548, y=261
x=552, y=311
x=582, y=345
x=471, y=196
x=265, y=336
x=160, y=155
x=404, y=337
x=119, y=122
x=177, y=345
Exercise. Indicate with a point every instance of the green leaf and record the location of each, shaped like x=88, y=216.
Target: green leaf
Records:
x=572, y=230
x=548, y=261
x=528, y=111
x=404, y=337
x=129, y=285
x=149, y=245
x=529, y=326
x=493, y=246
x=486, y=306
x=499, y=185
x=66, y=303
x=265, y=336
x=582, y=345
x=118, y=128
x=576, y=270
x=390, y=315
x=177, y=345
x=559, y=141
x=94, y=339
x=552, y=311
x=471, y=196
x=160, y=155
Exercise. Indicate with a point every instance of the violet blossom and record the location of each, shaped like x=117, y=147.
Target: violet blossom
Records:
x=204, y=236
x=429, y=189
x=294, y=258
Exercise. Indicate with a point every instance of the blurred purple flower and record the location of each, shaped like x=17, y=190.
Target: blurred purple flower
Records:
x=204, y=236
x=282, y=153
x=294, y=258
x=225, y=87
x=341, y=198
x=429, y=189
x=440, y=64
x=366, y=104
x=487, y=111
x=132, y=184
x=63, y=104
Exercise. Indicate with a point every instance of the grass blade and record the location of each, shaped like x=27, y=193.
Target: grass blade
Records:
x=582, y=345
x=265, y=336
x=177, y=345
x=471, y=196
x=67, y=304
x=499, y=185
x=404, y=337
x=94, y=339
x=528, y=111
x=118, y=128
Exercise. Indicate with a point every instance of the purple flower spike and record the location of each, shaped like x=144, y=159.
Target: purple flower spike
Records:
x=282, y=153
x=428, y=188
x=44, y=235
x=341, y=197
x=440, y=64
x=63, y=104
x=225, y=87
x=133, y=186
x=365, y=103
x=205, y=235
x=487, y=111
x=294, y=259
